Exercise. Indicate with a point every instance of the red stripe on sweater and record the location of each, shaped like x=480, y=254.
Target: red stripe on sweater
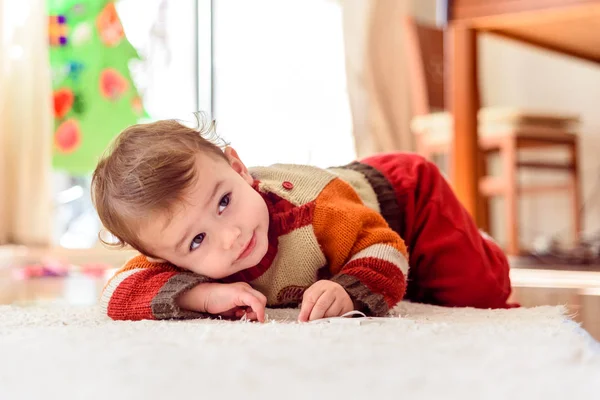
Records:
x=132, y=299
x=289, y=220
x=285, y=216
x=379, y=276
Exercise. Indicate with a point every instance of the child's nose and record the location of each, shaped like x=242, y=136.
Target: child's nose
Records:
x=230, y=236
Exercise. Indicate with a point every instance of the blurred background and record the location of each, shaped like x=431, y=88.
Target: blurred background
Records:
x=318, y=82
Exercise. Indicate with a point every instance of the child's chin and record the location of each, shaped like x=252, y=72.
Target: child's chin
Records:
x=260, y=251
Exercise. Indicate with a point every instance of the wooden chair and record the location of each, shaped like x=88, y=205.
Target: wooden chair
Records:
x=502, y=131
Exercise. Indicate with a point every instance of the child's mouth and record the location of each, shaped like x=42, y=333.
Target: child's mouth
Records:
x=249, y=248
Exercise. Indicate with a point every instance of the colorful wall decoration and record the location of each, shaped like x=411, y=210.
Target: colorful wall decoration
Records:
x=94, y=95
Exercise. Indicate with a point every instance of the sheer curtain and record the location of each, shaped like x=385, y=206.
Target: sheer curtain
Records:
x=376, y=72
x=25, y=123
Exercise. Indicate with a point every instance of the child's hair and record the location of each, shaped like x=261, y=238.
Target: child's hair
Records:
x=147, y=169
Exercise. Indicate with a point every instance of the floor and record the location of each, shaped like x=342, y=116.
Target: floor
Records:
x=578, y=290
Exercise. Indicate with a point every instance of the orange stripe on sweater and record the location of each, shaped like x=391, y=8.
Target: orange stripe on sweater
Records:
x=344, y=225
x=140, y=261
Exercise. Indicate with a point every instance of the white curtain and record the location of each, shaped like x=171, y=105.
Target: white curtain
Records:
x=377, y=75
x=25, y=123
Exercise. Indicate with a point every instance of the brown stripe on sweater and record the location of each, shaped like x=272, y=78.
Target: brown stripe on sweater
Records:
x=290, y=295
x=386, y=196
x=364, y=300
x=164, y=305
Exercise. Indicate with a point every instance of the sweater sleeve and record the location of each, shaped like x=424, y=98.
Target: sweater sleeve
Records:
x=144, y=290
x=364, y=255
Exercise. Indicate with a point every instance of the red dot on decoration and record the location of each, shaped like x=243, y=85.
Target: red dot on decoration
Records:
x=63, y=102
x=67, y=137
x=112, y=84
x=287, y=185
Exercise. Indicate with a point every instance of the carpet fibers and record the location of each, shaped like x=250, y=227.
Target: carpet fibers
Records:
x=423, y=352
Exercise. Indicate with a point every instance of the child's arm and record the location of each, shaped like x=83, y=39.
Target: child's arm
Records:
x=145, y=290
x=364, y=255
x=231, y=300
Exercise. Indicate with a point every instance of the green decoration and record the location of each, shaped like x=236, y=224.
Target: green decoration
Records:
x=94, y=95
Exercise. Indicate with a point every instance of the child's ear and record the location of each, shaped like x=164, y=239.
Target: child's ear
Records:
x=237, y=164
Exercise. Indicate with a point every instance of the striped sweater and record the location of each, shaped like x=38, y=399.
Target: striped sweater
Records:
x=323, y=224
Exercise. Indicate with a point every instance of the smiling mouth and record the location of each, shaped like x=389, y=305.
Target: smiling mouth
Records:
x=248, y=249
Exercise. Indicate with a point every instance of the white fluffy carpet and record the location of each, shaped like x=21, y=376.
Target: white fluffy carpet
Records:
x=427, y=353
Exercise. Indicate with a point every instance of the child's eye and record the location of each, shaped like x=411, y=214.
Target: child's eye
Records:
x=196, y=241
x=224, y=202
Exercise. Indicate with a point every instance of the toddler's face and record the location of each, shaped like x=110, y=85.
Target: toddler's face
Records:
x=221, y=228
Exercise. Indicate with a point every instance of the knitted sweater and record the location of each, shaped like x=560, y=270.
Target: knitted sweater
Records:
x=323, y=224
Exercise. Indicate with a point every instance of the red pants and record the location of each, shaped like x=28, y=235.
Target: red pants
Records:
x=451, y=263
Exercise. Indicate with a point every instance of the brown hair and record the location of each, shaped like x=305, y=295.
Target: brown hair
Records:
x=147, y=169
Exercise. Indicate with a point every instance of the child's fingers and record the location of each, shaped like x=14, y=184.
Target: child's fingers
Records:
x=309, y=300
x=261, y=297
x=335, y=309
x=305, y=309
x=247, y=298
x=260, y=312
x=324, y=302
x=251, y=315
x=239, y=313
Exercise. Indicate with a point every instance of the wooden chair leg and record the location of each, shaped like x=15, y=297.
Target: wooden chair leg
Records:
x=484, y=206
x=576, y=193
x=508, y=155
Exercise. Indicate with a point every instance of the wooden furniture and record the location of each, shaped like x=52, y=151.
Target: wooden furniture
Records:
x=501, y=131
x=564, y=26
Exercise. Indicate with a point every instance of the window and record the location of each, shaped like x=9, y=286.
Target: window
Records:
x=280, y=82
x=271, y=73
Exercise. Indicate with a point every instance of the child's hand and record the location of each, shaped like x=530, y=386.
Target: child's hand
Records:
x=324, y=299
x=231, y=300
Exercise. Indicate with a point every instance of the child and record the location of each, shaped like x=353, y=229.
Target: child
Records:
x=217, y=238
